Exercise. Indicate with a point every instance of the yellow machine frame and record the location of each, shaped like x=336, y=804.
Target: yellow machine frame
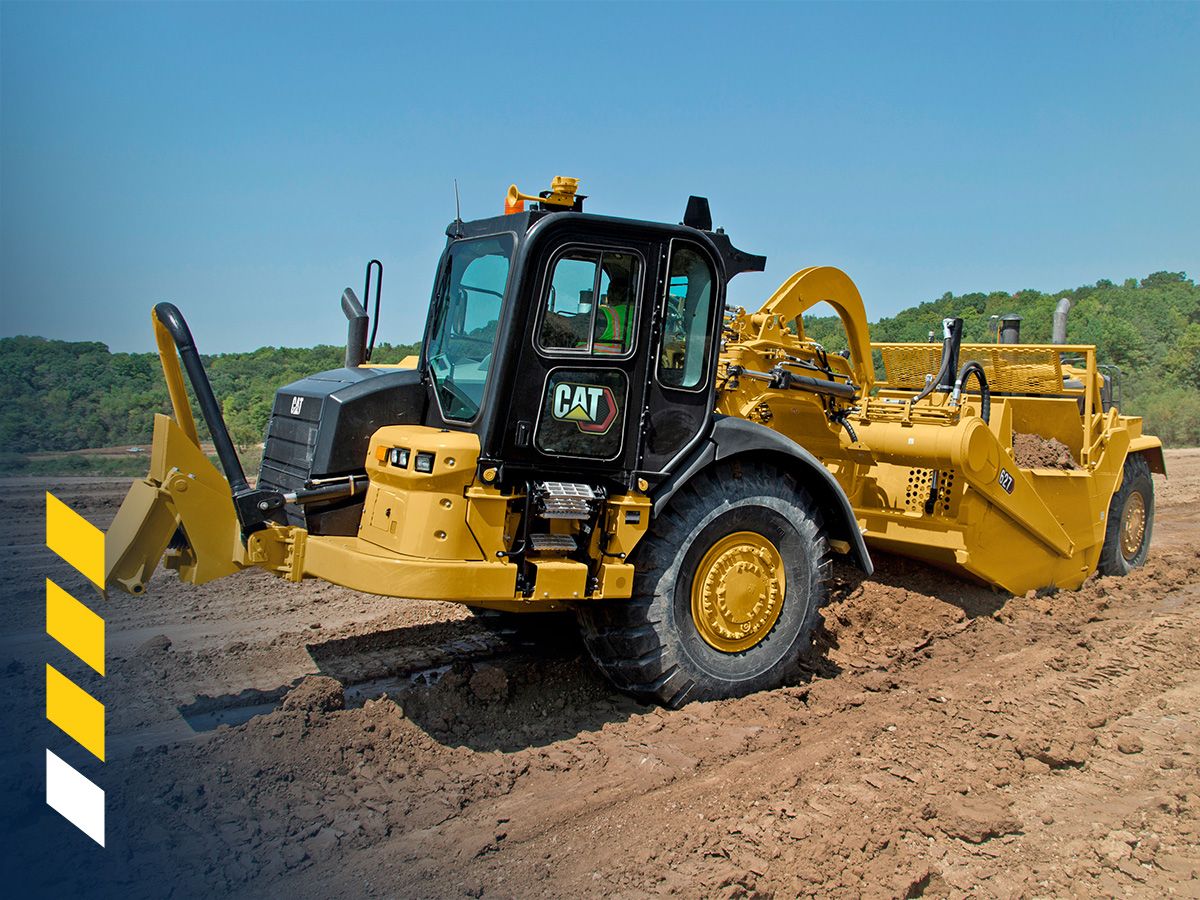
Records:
x=927, y=477
x=930, y=479
x=436, y=536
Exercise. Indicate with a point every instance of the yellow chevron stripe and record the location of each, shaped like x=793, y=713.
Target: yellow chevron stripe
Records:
x=75, y=711
x=75, y=539
x=74, y=626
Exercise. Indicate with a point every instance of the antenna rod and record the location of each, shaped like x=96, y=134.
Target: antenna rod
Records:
x=457, y=212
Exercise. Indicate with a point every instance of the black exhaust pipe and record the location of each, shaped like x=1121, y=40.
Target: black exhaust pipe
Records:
x=1010, y=329
x=356, y=329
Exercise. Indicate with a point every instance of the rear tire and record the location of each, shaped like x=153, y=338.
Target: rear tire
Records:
x=1130, y=520
x=756, y=542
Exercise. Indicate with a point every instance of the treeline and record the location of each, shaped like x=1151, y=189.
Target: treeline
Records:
x=1150, y=329
x=56, y=395
x=59, y=395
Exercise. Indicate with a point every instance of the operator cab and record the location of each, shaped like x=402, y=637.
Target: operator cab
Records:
x=577, y=347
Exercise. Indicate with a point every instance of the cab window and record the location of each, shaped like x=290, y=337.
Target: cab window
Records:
x=591, y=303
x=465, y=318
x=683, y=359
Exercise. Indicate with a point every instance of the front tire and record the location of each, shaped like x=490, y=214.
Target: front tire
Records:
x=728, y=586
x=1130, y=520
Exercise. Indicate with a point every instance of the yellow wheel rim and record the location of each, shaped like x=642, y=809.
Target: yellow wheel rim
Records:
x=1133, y=525
x=737, y=592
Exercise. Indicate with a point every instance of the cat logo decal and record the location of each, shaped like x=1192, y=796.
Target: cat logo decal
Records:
x=591, y=407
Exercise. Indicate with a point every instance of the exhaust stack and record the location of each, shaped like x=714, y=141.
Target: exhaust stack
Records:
x=1010, y=329
x=356, y=329
x=1060, y=321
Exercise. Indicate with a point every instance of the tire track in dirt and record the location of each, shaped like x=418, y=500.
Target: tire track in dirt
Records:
x=1042, y=732
x=919, y=779
x=958, y=742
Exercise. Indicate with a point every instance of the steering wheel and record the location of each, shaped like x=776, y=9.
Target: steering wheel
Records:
x=443, y=376
x=448, y=385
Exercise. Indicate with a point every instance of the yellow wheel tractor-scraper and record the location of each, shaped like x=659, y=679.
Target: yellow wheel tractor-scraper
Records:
x=589, y=428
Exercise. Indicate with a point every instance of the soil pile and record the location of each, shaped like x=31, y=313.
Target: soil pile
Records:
x=317, y=693
x=1032, y=451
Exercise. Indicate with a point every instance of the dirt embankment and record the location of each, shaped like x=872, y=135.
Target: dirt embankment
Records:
x=955, y=742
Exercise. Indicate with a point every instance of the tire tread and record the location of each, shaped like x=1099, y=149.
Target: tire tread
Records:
x=631, y=641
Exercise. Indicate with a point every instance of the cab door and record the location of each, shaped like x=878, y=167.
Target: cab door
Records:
x=580, y=384
x=681, y=379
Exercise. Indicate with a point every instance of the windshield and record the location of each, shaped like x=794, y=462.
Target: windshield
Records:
x=465, y=317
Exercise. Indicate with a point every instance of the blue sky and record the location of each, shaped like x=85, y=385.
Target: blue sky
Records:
x=244, y=161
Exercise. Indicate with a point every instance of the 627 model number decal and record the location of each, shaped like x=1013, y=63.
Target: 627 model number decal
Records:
x=1006, y=481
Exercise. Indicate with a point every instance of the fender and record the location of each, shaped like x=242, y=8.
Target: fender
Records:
x=733, y=437
x=1151, y=449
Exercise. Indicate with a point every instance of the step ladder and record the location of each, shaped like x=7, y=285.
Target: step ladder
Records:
x=564, y=543
x=564, y=499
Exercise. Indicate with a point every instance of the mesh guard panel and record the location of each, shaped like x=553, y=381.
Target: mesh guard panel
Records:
x=1010, y=368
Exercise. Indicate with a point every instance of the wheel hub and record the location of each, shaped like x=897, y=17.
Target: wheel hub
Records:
x=1133, y=525
x=738, y=591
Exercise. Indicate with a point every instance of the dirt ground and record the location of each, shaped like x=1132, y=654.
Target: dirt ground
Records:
x=308, y=741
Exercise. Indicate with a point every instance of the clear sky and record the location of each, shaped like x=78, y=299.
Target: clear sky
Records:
x=244, y=161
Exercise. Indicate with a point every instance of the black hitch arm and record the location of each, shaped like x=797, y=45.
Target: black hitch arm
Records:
x=254, y=507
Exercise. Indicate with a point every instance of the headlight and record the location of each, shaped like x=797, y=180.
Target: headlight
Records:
x=424, y=462
x=399, y=457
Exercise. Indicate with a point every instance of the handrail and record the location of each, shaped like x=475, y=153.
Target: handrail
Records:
x=1089, y=427
x=378, y=266
x=1066, y=349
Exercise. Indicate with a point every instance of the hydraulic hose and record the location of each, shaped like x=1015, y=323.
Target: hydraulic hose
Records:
x=985, y=393
x=933, y=382
x=845, y=423
x=952, y=327
x=985, y=413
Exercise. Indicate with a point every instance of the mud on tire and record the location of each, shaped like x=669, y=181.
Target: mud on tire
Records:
x=650, y=645
x=1124, y=550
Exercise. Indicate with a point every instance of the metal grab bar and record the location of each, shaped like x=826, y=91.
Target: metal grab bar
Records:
x=378, y=266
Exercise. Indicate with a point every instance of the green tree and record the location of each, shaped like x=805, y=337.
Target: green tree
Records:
x=1182, y=362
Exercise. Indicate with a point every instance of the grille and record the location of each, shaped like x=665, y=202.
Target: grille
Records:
x=920, y=484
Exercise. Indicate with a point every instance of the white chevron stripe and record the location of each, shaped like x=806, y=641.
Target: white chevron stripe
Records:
x=79, y=800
